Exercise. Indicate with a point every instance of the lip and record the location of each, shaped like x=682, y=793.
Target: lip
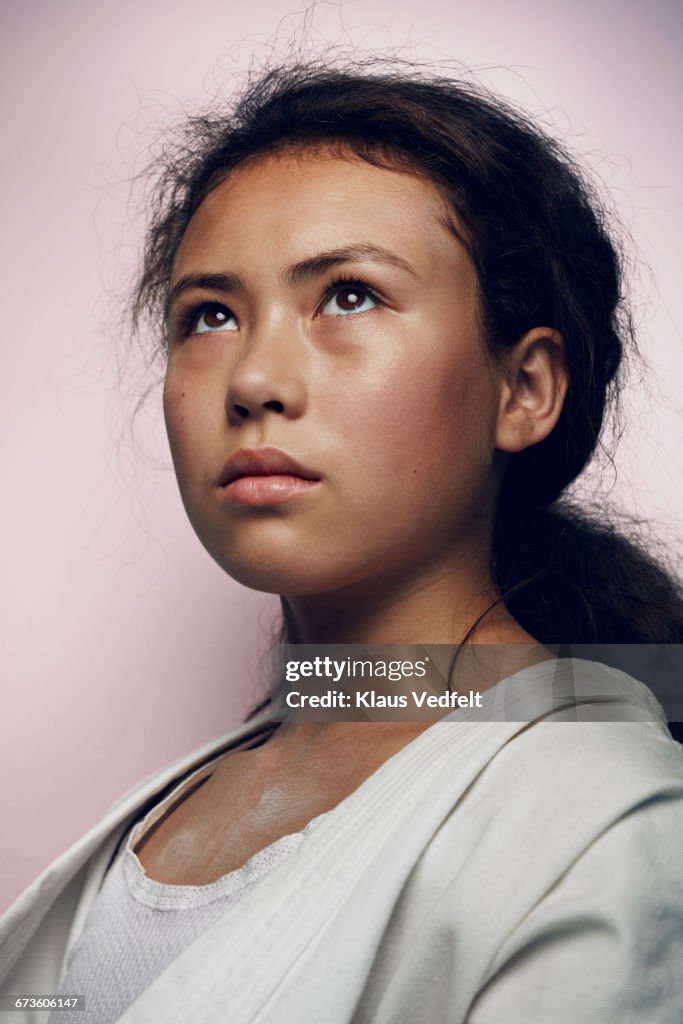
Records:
x=263, y=476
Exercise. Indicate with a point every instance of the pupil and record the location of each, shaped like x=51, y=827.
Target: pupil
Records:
x=349, y=298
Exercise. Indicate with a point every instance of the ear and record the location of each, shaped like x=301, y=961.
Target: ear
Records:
x=534, y=386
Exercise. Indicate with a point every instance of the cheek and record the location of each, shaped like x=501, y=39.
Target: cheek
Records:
x=430, y=420
x=175, y=410
x=186, y=415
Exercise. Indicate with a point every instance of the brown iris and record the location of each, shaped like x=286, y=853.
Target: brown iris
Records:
x=215, y=317
x=350, y=298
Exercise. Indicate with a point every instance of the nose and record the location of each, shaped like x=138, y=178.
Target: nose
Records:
x=267, y=376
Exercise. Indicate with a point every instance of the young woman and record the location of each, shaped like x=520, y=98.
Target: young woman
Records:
x=393, y=324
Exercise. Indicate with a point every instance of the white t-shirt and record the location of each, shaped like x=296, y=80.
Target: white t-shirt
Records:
x=137, y=926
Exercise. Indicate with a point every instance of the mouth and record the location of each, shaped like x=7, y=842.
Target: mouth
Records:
x=264, y=476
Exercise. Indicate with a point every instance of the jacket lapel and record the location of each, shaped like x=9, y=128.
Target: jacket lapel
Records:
x=22, y=919
x=330, y=902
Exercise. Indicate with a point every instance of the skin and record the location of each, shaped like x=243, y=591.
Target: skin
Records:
x=386, y=390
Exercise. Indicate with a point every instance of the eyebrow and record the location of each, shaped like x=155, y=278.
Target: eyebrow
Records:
x=304, y=270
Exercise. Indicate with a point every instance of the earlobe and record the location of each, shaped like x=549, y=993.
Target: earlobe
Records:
x=533, y=389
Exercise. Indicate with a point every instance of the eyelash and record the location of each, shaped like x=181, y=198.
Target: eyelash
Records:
x=342, y=281
x=187, y=319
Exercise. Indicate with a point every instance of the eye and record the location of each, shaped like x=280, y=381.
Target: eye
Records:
x=211, y=316
x=348, y=297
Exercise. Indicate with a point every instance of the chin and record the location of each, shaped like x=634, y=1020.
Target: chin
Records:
x=279, y=557
x=273, y=572
x=280, y=579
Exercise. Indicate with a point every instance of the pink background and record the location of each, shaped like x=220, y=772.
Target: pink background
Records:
x=123, y=645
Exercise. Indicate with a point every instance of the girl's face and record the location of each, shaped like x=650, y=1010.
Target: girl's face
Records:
x=322, y=307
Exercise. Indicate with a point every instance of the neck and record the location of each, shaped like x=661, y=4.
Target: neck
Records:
x=435, y=606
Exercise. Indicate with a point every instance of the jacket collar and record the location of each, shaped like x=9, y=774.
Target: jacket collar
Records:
x=23, y=917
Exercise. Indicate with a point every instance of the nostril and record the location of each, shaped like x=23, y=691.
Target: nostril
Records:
x=275, y=405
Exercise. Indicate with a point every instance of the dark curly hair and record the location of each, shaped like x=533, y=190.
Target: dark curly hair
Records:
x=537, y=232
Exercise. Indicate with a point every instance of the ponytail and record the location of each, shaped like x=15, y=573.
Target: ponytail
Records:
x=570, y=578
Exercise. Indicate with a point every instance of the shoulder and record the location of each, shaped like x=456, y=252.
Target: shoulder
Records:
x=551, y=794
x=601, y=938
x=618, y=754
x=557, y=786
x=557, y=876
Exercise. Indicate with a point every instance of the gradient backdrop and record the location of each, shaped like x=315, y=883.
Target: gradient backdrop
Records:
x=123, y=646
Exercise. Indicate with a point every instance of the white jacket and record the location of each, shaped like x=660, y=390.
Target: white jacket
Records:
x=489, y=873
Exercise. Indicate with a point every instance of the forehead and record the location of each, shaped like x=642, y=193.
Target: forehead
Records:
x=295, y=203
